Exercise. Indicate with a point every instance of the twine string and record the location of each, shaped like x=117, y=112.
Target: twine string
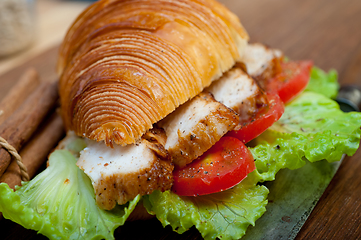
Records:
x=23, y=170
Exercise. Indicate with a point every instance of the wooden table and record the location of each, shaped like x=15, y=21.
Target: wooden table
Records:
x=327, y=31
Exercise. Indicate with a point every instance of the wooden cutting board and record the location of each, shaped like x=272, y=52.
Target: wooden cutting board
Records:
x=326, y=31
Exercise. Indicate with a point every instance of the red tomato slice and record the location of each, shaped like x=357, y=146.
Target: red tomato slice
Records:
x=262, y=122
x=291, y=81
x=223, y=166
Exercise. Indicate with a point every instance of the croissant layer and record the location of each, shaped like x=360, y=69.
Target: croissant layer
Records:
x=126, y=64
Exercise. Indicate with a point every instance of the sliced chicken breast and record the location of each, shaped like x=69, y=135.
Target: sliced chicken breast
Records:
x=240, y=92
x=195, y=126
x=120, y=173
x=261, y=62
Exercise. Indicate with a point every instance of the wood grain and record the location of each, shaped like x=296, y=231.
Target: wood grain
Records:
x=327, y=31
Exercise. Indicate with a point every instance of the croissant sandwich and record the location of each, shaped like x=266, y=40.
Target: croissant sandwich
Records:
x=159, y=99
x=126, y=65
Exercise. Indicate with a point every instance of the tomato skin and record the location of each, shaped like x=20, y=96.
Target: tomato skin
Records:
x=291, y=81
x=223, y=166
x=262, y=122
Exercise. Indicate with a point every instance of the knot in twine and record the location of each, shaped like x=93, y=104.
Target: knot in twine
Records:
x=15, y=154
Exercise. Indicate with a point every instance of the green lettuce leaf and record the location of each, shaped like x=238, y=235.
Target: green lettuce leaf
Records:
x=225, y=215
x=286, y=152
x=313, y=128
x=323, y=83
x=330, y=131
x=60, y=203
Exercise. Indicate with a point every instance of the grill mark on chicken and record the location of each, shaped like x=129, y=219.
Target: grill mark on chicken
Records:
x=240, y=92
x=120, y=173
x=262, y=63
x=196, y=126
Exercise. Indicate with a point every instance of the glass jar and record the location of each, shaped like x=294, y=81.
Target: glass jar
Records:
x=17, y=25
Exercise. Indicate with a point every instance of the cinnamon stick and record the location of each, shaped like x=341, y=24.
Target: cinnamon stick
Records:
x=36, y=150
x=22, y=89
x=18, y=128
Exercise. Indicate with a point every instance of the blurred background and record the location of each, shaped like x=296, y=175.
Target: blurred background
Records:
x=29, y=27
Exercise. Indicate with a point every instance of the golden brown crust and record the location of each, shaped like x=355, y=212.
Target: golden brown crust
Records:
x=126, y=64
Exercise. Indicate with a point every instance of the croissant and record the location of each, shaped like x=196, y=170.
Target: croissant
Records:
x=126, y=64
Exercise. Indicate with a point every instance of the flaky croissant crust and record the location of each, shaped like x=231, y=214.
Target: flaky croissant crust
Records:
x=126, y=64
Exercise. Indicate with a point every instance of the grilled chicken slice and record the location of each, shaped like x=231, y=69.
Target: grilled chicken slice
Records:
x=240, y=92
x=195, y=126
x=262, y=63
x=120, y=173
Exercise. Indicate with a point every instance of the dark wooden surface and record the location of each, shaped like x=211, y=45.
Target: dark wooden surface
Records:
x=326, y=31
